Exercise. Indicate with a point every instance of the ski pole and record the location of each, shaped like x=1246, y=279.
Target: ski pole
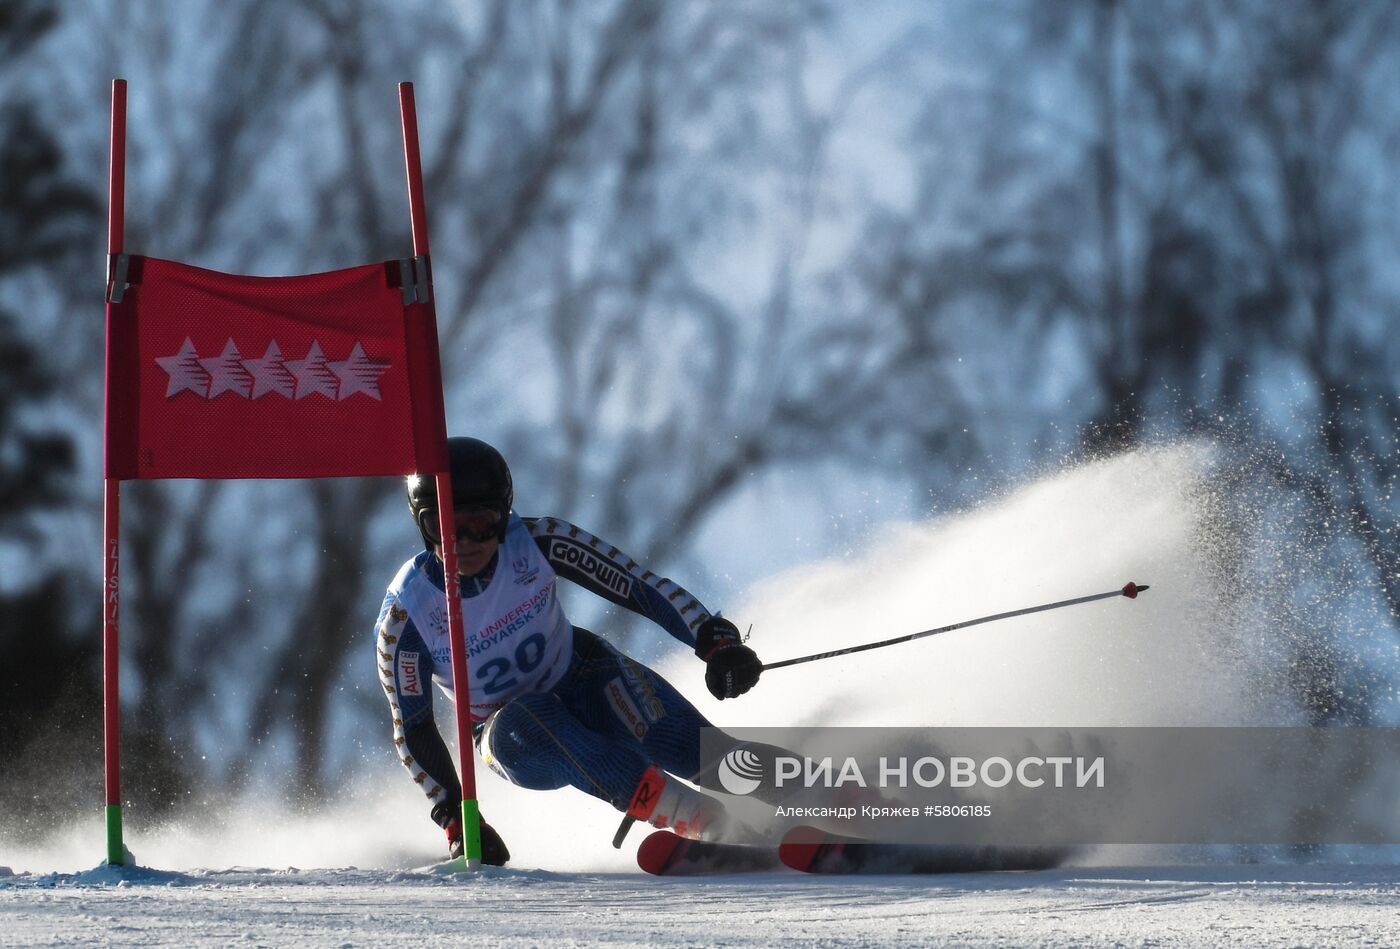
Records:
x=1130, y=590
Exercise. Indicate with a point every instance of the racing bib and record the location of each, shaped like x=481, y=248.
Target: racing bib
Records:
x=518, y=638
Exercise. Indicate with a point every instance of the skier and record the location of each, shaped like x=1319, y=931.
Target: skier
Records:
x=552, y=704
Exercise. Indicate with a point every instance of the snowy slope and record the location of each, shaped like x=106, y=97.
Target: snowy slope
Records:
x=1188, y=652
x=1187, y=906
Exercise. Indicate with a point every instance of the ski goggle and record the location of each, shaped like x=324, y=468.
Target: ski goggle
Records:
x=478, y=522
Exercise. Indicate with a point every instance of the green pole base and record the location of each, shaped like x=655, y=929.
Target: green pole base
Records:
x=116, y=853
x=471, y=831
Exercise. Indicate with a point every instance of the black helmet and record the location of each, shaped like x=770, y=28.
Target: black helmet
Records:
x=480, y=477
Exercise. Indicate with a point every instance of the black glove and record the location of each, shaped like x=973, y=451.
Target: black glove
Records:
x=731, y=668
x=448, y=816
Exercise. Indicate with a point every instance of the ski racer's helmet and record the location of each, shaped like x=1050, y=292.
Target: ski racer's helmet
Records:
x=480, y=480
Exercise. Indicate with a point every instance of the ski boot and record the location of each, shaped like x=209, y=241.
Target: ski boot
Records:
x=668, y=803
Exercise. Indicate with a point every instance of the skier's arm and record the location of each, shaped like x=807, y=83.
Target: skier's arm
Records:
x=731, y=668
x=405, y=672
x=601, y=568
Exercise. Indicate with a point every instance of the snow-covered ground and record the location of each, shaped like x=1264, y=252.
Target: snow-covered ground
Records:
x=1195, y=650
x=1184, y=906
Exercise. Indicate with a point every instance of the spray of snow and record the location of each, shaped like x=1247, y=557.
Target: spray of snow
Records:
x=1195, y=650
x=1184, y=653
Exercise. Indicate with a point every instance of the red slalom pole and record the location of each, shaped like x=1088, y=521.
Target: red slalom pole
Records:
x=417, y=207
x=447, y=527
x=111, y=504
x=461, y=687
x=116, y=171
x=1129, y=590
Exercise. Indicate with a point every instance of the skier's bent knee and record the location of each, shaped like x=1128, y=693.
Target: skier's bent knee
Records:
x=514, y=738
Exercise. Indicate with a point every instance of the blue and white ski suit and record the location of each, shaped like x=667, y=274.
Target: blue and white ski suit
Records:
x=554, y=704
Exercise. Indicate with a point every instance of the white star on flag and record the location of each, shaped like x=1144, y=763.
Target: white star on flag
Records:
x=358, y=373
x=270, y=373
x=185, y=371
x=313, y=375
x=227, y=373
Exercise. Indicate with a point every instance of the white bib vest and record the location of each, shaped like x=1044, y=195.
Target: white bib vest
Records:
x=519, y=639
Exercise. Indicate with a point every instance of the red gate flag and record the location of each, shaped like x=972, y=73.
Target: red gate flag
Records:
x=213, y=375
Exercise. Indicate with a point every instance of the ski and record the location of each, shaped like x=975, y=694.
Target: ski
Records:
x=813, y=850
x=666, y=854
